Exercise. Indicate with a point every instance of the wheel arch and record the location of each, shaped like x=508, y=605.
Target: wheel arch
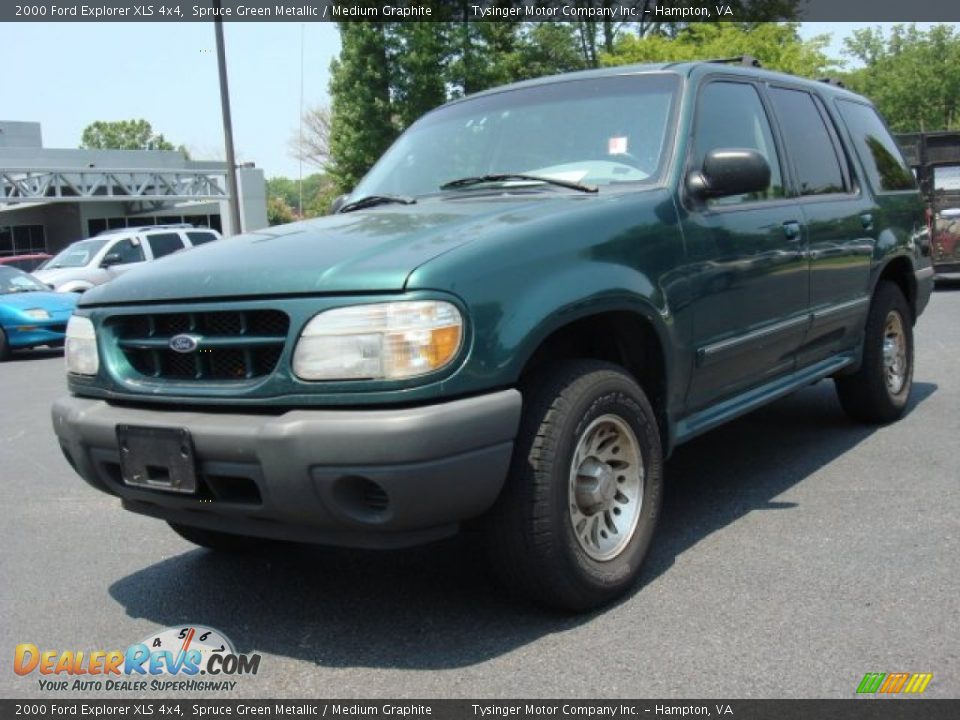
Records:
x=631, y=336
x=898, y=269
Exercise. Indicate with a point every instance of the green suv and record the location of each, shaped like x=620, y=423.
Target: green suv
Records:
x=534, y=296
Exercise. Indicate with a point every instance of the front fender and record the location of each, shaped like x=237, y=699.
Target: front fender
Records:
x=582, y=293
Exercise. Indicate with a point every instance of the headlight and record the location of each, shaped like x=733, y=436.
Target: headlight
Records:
x=81, y=347
x=379, y=341
x=37, y=314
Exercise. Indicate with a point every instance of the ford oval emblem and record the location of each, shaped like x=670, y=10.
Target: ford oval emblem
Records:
x=184, y=343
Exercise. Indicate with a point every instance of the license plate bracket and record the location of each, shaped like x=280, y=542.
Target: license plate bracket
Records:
x=157, y=458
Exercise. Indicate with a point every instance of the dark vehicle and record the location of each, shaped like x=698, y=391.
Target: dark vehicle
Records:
x=27, y=263
x=935, y=159
x=31, y=314
x=534, y=296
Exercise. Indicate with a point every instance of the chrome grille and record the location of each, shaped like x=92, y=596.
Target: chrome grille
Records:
x=231, y=345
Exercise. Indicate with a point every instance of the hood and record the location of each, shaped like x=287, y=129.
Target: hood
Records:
x=50, y=301
x=56, y=276
x=363, y=251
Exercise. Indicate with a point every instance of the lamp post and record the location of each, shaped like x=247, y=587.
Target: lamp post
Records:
x=227, y=123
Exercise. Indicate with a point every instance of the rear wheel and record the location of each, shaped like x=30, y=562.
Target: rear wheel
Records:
x=576, y=518
x=4, y=346
x=219, y=541
x=878, y=392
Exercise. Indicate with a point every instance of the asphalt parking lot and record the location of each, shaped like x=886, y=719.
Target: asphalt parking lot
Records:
x=797, y=551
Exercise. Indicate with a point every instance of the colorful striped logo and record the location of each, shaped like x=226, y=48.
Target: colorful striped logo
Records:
x=892, y=683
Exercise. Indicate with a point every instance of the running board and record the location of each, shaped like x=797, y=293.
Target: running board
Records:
x=708, y=419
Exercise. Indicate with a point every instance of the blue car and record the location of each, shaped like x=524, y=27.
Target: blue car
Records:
x=31, y=314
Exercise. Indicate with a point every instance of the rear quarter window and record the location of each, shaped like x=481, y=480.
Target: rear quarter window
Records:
x=200, y=238
x=163, y=244
x=878, y=153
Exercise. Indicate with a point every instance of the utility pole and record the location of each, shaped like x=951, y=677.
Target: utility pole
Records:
x=227, y=123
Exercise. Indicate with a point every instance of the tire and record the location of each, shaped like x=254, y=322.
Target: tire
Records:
x=4, y=346
x=879, y=391
x=546, y=534
x=218, y=541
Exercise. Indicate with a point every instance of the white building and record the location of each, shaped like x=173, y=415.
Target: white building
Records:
x=50, y=197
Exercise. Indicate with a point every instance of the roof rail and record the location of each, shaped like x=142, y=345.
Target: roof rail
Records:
x=833, y=81
x=747, y=60
x=142, y=228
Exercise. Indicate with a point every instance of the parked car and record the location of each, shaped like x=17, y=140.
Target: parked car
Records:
x=30, y=313
x=27, y=263
x=88, y=263
x=946, y=244
x=534, y=296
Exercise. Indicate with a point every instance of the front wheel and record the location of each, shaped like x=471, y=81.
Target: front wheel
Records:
x=576, y=518
x=4, y=346
x=878, y=392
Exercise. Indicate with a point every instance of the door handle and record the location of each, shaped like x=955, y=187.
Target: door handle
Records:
x=867, y=221
x=791, y=229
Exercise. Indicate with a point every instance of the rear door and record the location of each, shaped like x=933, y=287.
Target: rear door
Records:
x=840, y=217
x=748, y=267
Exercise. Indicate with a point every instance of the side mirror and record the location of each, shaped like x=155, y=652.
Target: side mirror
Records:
x=110, y=259
x=730, y=171
x=338, y=202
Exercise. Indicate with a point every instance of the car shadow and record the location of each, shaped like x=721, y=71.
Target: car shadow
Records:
x=37, y=353
x=436, y=607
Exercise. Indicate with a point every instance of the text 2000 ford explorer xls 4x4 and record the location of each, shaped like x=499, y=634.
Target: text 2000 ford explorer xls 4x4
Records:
x=532, y=298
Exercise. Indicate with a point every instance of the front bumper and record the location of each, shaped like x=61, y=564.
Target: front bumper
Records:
x=31, y=333
x=360, y=478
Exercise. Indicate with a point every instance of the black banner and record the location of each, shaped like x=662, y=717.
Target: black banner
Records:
x=853, y=709
x=649, y=11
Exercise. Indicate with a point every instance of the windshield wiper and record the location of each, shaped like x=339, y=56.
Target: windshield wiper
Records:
x=500, y=177
x=373, y=200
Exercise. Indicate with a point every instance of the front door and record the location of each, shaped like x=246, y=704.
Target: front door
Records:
x=749, y=270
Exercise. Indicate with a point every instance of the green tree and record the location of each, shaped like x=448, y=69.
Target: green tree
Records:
x=912, y=75
x=361, y=113
x=319, y=191
x=420, y=55
x=543, y=49
x=279, y=212
x=776, y=45
x=124, y=135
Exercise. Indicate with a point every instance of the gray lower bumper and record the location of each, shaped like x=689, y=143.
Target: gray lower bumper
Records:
x=366, y=478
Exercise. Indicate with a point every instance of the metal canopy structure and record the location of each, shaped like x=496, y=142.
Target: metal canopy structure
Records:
x=19, y=185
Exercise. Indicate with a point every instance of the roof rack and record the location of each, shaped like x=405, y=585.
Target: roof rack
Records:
x=747, y=60
x=833, y=81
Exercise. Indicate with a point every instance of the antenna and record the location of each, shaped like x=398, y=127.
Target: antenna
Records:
x=300, y=133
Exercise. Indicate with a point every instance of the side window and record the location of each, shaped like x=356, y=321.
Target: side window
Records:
x=877, y=151
x=199, y=238
x=731, y=115
x=164, y=244
x=808, y=142
x=129, y=250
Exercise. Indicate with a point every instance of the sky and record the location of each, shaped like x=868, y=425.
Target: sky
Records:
x=167, y=74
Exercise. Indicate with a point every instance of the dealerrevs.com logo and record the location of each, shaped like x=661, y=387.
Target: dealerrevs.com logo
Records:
x=192, y=658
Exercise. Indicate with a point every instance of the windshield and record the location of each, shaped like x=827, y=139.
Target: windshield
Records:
x=76, y=255
x=598, y=131
x=13, y=280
